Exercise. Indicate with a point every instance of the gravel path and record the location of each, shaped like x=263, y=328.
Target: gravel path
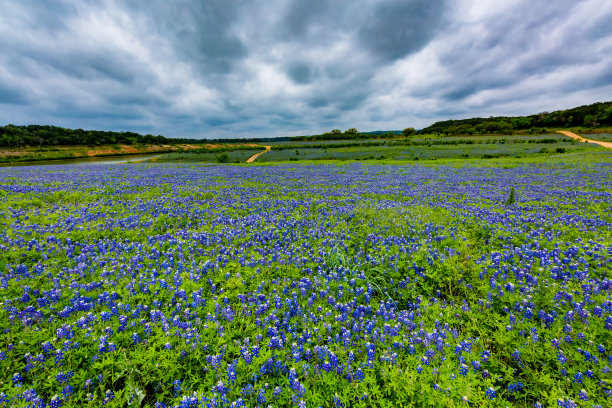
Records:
x=582, y=139
x=256, y=155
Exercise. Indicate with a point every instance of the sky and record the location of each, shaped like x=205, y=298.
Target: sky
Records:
x=223, y=69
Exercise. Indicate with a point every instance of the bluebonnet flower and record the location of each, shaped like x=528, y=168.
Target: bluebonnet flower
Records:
x=261, y=397
x=514, y=387
x=220, y=388
x=17, y=379
x=176, y=387
x=490, y=393
x=608, y=325
x=231, y=372
x=561, y=357
x=108, y=397
x=67, y=391
x=476, y=365
x=55, y=402
x=63, y=378
x=516, y=355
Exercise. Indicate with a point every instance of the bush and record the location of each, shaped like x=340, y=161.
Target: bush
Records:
x=408, y=131
x=223, y=158
x=560, y=150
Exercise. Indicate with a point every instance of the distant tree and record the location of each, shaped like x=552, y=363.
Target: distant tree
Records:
x=351, y=131
x=335, y=131
x=590, y=120
x=409, y=131
x=493, y=127
x=464, y=129
x=521, y=123
x=223, y=158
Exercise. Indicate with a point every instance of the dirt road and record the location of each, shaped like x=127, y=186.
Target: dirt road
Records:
x=256, y=155
x=582, y=139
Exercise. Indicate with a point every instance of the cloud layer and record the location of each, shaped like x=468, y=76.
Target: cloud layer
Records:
x=258, y=68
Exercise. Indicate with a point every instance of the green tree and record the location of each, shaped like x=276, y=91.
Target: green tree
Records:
x=351, y=131
x=590, y=120
x=335, y=131
x=521, y=123
x=409, y=131
x=223, y=158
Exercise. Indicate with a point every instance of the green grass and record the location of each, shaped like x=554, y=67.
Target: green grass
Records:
x=459, y=151
x=580, y=159
x=235, y=156
x=603, y=137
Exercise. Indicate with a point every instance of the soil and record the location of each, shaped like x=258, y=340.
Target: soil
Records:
x=256, y=155
x=582, y=139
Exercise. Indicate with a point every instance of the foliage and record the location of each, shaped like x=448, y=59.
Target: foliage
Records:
x=37, y=135
x=409, y=131
x=597, y=114
x=223, y=158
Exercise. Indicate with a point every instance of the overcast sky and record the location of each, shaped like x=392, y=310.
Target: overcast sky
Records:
x=221, y=68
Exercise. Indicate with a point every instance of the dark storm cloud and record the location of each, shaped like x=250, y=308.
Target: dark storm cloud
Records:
x=301, y=73
x=302, y=15
x=200, y=31
x=12, y=96
x=398, y=28
x=270, y=68
x=530, y=41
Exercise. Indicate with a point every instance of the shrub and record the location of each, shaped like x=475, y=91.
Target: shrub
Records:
x=223, y=158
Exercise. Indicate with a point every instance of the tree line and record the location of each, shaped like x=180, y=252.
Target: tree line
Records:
x=44, y=135
x=589, y=116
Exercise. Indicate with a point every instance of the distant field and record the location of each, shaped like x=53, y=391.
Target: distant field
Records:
x=603, y=137
x=401, y=149
x=26, y=154
x=434, y=151
x=235, y=156
x=72, y=152
x=430, y=147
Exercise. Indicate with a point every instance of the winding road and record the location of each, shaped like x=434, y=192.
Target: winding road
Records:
x=582, y=139
x=256, y=155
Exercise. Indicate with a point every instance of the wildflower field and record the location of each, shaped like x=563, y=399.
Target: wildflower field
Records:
x=307, y=286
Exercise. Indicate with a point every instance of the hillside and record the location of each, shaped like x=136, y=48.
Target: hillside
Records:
x=589, y=116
